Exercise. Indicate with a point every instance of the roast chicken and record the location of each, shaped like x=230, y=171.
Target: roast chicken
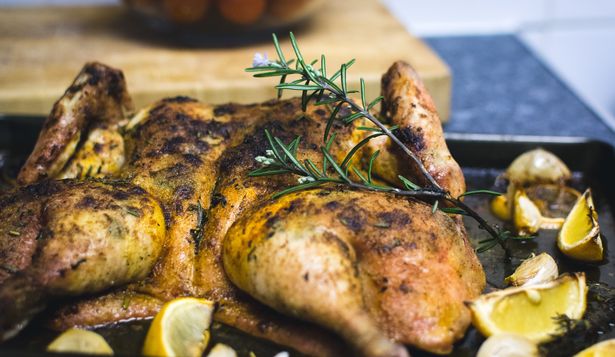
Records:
x=117, y=212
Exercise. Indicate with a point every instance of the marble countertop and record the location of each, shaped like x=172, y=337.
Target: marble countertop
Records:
x=500, y=87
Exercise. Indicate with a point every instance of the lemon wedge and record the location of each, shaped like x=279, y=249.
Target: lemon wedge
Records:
x=180, y=328
x=80, y=341
x=530, y=311
x=527, y=217
x=601, y=349
x=499, y=207
x=580, y=234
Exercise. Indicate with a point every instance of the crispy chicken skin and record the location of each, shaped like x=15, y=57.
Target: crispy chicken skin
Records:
x=190, y=162
x=361, y=262
x=408, y=105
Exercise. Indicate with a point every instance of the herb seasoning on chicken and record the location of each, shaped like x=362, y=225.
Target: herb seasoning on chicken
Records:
x=160, y=204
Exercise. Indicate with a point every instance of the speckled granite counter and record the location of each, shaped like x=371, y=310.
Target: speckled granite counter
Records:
x=500, y=87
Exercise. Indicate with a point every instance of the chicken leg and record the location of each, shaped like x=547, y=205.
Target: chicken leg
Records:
x=352, y=260
x=67, y=238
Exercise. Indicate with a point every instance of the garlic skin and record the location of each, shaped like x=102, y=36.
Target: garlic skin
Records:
x=508, y=345
x=534, y=270
x=537, y=166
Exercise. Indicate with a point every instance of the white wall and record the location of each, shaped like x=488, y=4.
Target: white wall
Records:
x=445, y=17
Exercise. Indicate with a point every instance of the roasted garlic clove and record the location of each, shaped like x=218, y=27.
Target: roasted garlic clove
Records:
x=508, y=345
x=534, y=270
x=222, y=350
x=537, y=166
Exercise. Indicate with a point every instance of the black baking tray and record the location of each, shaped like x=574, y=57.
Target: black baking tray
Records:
x=483, y=158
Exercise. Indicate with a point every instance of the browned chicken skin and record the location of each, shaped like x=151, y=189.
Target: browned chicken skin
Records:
x=408, y=104
x=409, y=279
x=67, y=238
x=350, y=257
x=97, y=99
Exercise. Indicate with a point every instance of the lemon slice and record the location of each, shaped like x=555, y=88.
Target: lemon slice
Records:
x=527, y=217
x=530, y=311
x=180, y=328
x=580, y=234
x=80, y=341
x=601, y=349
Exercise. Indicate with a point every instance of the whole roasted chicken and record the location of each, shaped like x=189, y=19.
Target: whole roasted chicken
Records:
x=116, y=213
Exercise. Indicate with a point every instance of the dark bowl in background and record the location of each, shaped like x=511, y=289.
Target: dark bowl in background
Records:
x=223, y=16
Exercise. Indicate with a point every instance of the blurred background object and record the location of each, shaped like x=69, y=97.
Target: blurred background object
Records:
x=225, y=15
x=45, y=46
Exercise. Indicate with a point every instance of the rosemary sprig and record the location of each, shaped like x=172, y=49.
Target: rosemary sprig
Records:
x=333, y=92
x=282, y=159
x=313, y=83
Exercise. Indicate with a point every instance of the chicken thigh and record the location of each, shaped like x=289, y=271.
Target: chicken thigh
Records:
x=68, y=238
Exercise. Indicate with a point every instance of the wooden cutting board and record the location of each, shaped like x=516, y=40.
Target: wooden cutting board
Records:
x=42, y=49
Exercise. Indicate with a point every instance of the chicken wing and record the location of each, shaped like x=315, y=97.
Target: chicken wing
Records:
x=97, y=99
x=408, y=105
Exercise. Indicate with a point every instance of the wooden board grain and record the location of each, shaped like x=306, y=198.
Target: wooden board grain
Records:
x=42, y=49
